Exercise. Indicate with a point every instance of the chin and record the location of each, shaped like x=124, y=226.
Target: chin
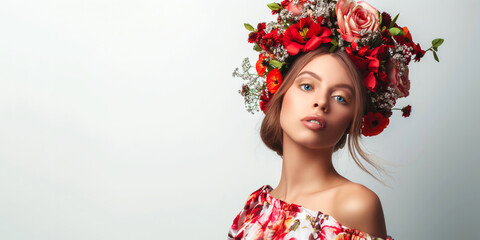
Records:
x=312, y=140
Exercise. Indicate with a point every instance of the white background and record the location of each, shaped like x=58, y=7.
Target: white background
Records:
x=120, y=119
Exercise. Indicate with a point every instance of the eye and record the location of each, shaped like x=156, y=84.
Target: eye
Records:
x=341, y=99
x=306, y=87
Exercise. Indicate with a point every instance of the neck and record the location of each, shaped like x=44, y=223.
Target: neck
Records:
x=305, y=170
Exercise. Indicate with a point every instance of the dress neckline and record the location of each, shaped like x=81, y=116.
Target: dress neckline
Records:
x=269, y=188
x=318, y=214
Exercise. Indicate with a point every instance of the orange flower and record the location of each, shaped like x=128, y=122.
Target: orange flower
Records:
x=259, y=66
x=274, y=79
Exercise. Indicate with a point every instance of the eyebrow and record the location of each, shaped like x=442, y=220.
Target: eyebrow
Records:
x=314, y=75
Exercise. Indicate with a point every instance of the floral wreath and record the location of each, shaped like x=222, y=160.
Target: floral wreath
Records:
x=374, y=42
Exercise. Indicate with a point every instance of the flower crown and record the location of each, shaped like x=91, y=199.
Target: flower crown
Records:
x=374, y=42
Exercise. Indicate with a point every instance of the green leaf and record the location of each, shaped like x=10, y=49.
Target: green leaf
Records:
x=437, y=42
x=257, y=48
x=274, y=6
x=249, y=27
x=276, y=64
x=394, y=20
x=380, y=19
x=435, y=56
x=335, y=42
x=332, y=48
x=435, y=48
x=396, y=31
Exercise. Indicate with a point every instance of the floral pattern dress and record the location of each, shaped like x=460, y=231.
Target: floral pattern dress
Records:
x=265, y=217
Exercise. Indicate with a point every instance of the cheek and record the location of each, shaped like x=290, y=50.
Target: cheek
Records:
x=288, y=109
x=339, y=117
x=347, y=116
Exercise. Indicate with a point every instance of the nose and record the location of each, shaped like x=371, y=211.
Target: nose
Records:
x=323, y=107
x=321, y=100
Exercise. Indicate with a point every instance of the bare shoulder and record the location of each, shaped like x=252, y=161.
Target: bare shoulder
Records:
x=360, y=208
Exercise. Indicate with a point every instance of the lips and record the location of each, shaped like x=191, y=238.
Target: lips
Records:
x=314, y=122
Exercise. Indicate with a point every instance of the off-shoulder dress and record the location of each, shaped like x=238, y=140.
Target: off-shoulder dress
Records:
x=268, y=218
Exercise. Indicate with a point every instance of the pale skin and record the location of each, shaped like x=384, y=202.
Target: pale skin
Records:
x=308, y=176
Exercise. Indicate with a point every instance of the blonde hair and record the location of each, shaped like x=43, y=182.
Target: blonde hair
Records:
x=272, y=133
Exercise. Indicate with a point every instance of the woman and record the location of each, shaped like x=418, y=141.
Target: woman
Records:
x=307, y=119
x=320, y=83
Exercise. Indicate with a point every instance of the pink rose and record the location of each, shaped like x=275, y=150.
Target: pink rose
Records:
x=296, y=9
x=354, y=17
x=399, y=81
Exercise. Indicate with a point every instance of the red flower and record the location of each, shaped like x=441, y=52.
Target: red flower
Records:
x=382, y=76
x=417, y=50
x=260, y=66
x=269, y=40
x=274, y=79
x=264, y=99
x=406, y=111
x=368, y=62
x=373, y=124
x=370, y=81
x=404, y=39
x=386, y=20
x=365, y=58
x=258, y=34
x=261, y=26
x=306, y=35
x=387, y=37
x=252, y=37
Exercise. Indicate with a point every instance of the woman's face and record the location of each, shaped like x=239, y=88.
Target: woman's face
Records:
x=319, y=106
